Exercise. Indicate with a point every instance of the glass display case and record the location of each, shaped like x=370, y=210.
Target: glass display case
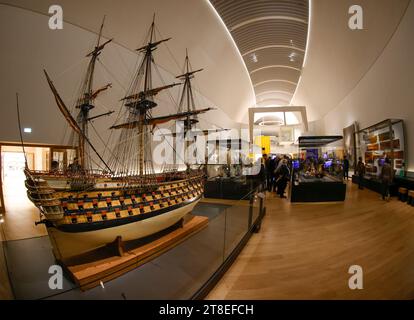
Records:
x=379, y=142
x=375, y=144
x=189, y=270
x=318, y=171
x=227, y=170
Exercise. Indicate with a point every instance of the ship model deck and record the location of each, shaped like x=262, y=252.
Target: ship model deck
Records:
x=84, y=207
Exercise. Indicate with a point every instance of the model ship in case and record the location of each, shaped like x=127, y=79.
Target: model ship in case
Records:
x=84, y=208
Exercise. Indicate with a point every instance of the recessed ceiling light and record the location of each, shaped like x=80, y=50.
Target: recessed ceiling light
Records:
x=27, y=130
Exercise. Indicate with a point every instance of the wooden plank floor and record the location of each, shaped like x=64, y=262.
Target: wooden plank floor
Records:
x=20, y=217
x=304, y=251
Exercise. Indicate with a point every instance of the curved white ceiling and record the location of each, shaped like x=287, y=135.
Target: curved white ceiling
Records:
x=338, y=57
x=271, y=36
x=191, y=24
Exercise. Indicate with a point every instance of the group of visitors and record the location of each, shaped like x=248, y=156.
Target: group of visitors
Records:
x=74, y=167
x=277, y=174
x=386, y=176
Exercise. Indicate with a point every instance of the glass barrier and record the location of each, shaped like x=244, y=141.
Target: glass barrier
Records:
x=179, y=273
x=5, y=289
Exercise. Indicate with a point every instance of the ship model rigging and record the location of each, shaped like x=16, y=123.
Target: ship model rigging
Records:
x=84, y=208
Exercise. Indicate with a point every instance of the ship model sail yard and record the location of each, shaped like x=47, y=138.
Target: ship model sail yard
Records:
x=85, y=208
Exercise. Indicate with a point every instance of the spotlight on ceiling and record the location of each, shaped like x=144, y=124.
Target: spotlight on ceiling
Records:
x=253, y=56
x=27, y=130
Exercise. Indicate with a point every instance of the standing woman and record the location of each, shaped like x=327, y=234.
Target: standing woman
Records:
x=386, y=179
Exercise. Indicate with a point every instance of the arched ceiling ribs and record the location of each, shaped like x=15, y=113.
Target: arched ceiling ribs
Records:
x=272, y=46
x=274, y=66
x=269, y=34
x=274, y=91
x=276, y=73
x=241, y=24
x=274, y=56
x=273, y=102
x=274, y=80
x=279, y=86
x=273, y=96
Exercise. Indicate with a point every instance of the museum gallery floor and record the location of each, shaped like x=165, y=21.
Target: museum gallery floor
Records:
x=298, y=254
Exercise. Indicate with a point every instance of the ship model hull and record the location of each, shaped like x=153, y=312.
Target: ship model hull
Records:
x=81, y=221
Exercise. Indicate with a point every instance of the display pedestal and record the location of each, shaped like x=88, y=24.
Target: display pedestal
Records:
x=316, y=190
x=112, y=261
x=375, y=185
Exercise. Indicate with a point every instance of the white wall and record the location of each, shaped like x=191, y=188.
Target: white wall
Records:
x=338, y=57
x=386, y=90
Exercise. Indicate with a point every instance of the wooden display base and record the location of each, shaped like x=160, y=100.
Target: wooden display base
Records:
x=112, y=261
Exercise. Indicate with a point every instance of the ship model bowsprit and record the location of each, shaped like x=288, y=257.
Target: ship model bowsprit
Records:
x=84, y=208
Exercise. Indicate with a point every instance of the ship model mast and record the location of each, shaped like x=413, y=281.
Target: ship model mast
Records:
x=187, y=97
x=84, y=103
x=139, y=103
x=132, y=156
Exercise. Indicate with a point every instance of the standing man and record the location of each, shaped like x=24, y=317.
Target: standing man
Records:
x=386, y=178
x=346, y=168
x=266, y=162
x=360, y=170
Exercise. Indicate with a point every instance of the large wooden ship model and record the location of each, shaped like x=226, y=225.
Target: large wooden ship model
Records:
x=84, y=208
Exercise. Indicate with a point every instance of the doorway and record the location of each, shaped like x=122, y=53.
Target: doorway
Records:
x=20, y=213
x=12, y=175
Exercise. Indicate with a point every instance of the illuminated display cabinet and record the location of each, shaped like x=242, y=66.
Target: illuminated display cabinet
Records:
x=318, y=171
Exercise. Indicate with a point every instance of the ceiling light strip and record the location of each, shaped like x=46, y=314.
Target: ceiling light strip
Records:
x=274, y=91
x=234, y=43
x=307, y=47
x=274, y=66
x=274, y=80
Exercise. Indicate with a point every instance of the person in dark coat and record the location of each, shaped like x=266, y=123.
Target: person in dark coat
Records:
x=283, y=174
x=360, y=171
x=346, y=168
x=267, y=160
x=271, y=168
x=386, y=179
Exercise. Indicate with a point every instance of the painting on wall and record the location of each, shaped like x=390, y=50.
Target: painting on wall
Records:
x=349, y=144
x=286, y=134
